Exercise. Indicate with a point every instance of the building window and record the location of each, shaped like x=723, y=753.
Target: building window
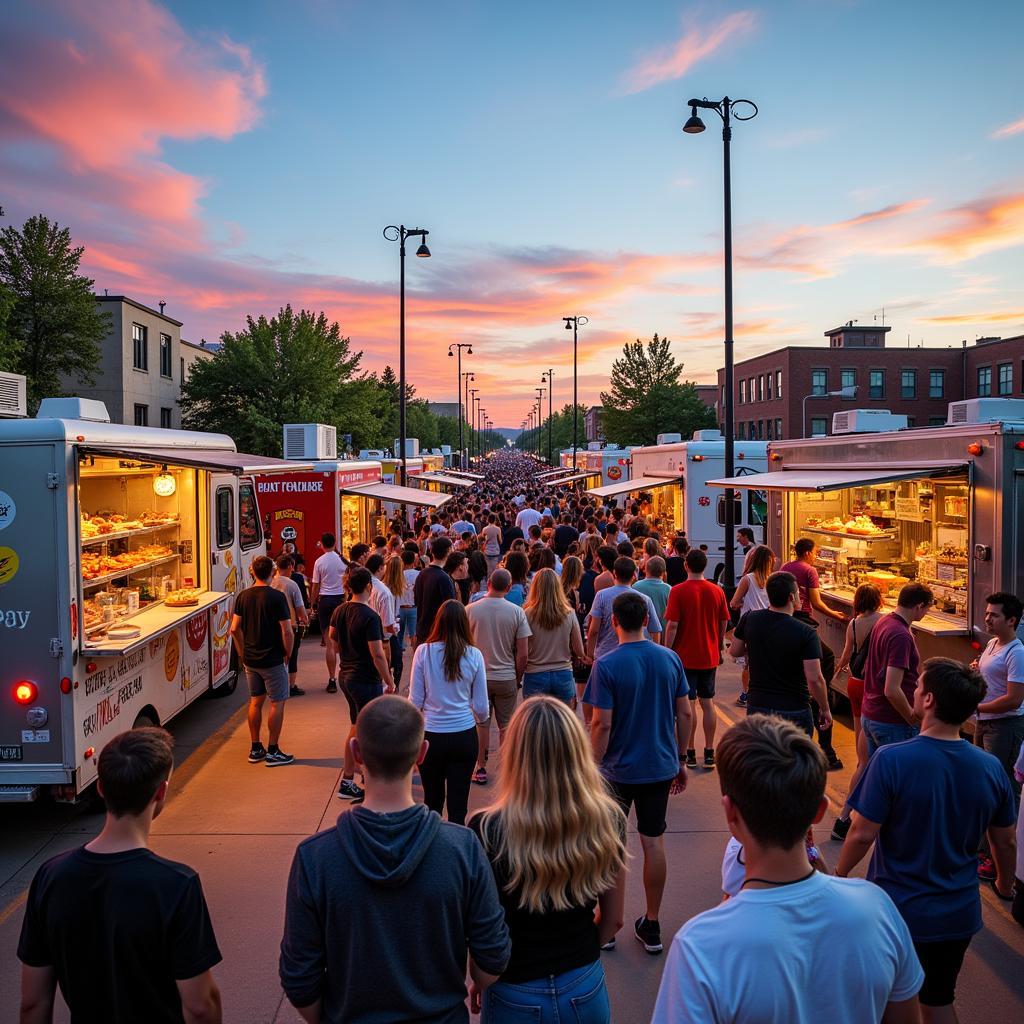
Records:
x=741, y=430
x=165, y=418
x=908, y=384
x=876, y=384
x=743, y=391
x=723, y=393
x=165, y=355
x=778, y=383
x=936, y=421
x=847, y=378
x=141, y=415
x=819, y=426
x=1006, y=378
x=768, y=427
x=760, y=387
x=140, y=348
x=768, y=386
x=750, y=389
x=911, y=422
x=936, y=383
x=984, y=381
x=778, y=430
x=819, y=382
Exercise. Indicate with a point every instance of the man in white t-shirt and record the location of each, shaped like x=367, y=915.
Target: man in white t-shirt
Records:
x=326, y=593
x=385, y=604
x=769, y=954
x=529, y=516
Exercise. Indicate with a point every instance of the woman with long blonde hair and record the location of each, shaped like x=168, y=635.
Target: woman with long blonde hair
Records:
x=751, y=596
x=556, y=637
x=394, y=579
x=560, y=869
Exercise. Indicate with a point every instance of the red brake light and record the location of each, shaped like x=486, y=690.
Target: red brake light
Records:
x=698, y=458
x=776, y=456
x=974, y=448
x=1019, y=446
x=65, y=685
x=25, y=692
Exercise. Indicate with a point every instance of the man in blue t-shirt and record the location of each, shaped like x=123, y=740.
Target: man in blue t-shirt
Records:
x=926, y=803
x=639, y=729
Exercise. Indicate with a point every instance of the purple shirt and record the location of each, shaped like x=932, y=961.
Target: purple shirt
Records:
x=892, y=645
x=806, y=579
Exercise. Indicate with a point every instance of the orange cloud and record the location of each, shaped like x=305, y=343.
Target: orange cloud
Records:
x=1001, y=317
x=973, y=229
x=1013, y=128
x=673, y=62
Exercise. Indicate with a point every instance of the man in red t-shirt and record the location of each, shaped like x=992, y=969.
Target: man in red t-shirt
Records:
x=696, y=619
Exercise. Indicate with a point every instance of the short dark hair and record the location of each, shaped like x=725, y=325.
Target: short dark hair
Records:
x=866, y=598
x=374, y=563
x=1011, y=605
x=655, y=566
x=606, y=555
x=359, y=578
x=625, y=547
x=775, y=775
x=132, y=766
x=380, y=542
x=390, y=731
x=624, y=568
x=263, y=567
x=680, y=546
x=779, y=586
x=439, y=548
x=518, y=565
x=327, y=540
x=630, y=609
x=914, y=594
x=357, y=551
x=285, y=562
x=746, y=531
x=957, y=689
x=696, y=560
x=804, y=546
x=409, y=556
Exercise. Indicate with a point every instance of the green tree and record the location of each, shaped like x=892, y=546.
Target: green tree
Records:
x=53, y=329
x=292, y=368
x=647, y=397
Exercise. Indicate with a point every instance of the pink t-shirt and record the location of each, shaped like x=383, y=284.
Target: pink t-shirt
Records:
x=892, y=645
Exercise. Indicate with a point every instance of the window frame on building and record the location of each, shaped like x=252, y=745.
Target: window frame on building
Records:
x=743, y=391
x=848, y=379
x=987, y=392
x=166, y=364
x=768, y=396
x=819, y=390
x=778, y=383
x=741, y=431
x=872, y=387
x=936, y=421
x=141, y=414
x=823, y=420
x=778, y=429
x=760, y=387
x=140, y=348
x=1008, y=390
x=936, y=392
x=908, y=384
x=166, y=418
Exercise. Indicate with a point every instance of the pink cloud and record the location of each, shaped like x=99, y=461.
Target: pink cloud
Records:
x=975, y=228
x=1013, y=128
x=672, y=62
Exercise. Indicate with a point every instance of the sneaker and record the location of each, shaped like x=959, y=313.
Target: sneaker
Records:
x=348, y=790
x=480, y=776
x=834, y=764
x=986, y=868
x=332, y=686
x=648, y=934
x=609, y=945
x=741, y=701
x=257, y=754
x=709, y=758
x=279, y=757
x=357, y=799
x=840, y=830
x=296, y=691
x=691, y=759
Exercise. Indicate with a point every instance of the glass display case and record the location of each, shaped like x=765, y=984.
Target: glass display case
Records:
x=662, y=507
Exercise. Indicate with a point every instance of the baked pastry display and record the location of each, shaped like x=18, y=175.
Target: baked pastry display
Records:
x=184, y=597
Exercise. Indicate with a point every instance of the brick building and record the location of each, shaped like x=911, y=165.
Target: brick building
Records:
x=593, y=428
x=916, y=382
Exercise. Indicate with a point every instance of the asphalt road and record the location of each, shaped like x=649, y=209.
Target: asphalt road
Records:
x=238, y=825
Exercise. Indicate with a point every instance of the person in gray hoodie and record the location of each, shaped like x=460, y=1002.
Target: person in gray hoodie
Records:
x=382, y=909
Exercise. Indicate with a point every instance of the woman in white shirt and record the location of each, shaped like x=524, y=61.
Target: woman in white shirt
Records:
x=450, y=687
x=751, y=596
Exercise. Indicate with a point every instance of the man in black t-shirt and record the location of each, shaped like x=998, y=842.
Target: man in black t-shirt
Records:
x=432, y=588
x=358, y=634
x=125, y=934
x=784, y=658
x=261, y=629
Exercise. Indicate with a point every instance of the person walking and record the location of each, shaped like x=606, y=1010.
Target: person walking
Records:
x=285, y=582
x=383, y=908
x=639, y=727
x=760, y=956
x=501, y=632
x=559, y=866
x=327, y=592
x=518, y=566
x=125, y=934
x=358, y=633
x=491, y=537
x=601, y=634
x=926, y=826
x=751, y=596
x=393, y=578
x=697, y=618
x=261, y=629
x=675, y=564
x=407, y=602
x=554, y=640
x=433, y=587
x=449, y=685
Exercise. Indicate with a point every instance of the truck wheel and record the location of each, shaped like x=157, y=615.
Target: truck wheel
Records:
x=145, y=719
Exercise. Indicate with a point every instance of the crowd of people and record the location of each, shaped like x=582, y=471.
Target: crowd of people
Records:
x=588, y=643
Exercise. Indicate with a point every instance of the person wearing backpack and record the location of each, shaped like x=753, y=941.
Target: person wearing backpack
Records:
x=867, y=610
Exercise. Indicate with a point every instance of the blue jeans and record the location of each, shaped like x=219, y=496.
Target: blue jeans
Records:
x=578, y=996
x=406, y=623
x=879, y=734
x=560, y=684
x=802, y=719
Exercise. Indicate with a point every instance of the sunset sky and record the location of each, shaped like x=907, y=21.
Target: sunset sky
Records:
x=230, y=157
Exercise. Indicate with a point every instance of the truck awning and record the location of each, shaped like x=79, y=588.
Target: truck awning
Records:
x=553, y=472
x=835, y=479
x=201, y=458
x=441, y=478
x=396, y=493
x=466, y=473
x=558, y=481
x=644, y=483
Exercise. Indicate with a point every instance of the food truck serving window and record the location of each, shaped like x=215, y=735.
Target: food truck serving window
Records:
x=249, y=532
x=225, y=517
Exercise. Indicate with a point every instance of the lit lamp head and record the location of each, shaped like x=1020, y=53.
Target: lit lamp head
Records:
x=164, y=484
x=694, y=125
x=423, y=251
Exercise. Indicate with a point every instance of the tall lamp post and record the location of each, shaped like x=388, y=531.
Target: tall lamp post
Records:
x=480, y=430
x=848, y=392
x=467, y=377
x=573, y=323
x=399, y=233
x=726, y=110
x=549, y=377
x=459, y=346
x=476, y=426
x=540, y=420
x=471, y=413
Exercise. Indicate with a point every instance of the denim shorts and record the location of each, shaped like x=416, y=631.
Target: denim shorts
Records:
x=880, y=734
x=801, y=718
x=271, y=681
x=561, y=684
x=578, y=995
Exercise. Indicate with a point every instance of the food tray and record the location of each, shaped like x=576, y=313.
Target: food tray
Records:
x=123, y=632
x=122, y=534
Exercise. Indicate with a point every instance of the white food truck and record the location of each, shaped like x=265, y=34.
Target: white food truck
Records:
x=121, y=551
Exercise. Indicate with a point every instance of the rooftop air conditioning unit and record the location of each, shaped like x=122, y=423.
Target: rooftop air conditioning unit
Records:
x=707, y=435
x=371, y=453
x=13, y=397
x=594, y=446
x=73, y=409
x=412, y=448
x=867, y=421
x=670, y=438
x=446, y=449
x=985, y=410
x=310, y=441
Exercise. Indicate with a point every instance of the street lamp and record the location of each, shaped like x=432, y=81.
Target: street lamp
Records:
x=725, y=108
x=549, y=377
x=467, y=377
x=470, y=414
x=480, y=429
x=399, y=233
x=573, y=323
x=459, y=346
x=850, y=391
x=540, y=420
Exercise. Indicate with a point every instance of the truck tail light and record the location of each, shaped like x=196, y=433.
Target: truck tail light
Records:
x=698, y=458
x=25, y=692
x=974, y=448
x=65, y=685
x=1019, y=446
